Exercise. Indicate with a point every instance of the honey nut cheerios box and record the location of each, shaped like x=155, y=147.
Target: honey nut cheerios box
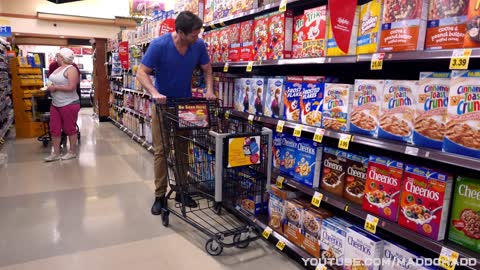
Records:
x=463, y=114
x=446, y=25
x=367, y=101
x=312, y=228
x=368, y=36
x=425, y=201
x=276, y=206
x=334, y=170
x=291, y=98
x=276, y=149
x=333, y=241
x=311, y=100
x=431, y=99
x=288, y=155
x=307, y=166
x=337, y=103
x=361, y=246
x=274, y=98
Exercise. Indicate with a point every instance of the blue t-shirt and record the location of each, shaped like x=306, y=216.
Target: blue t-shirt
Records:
x=173, y=72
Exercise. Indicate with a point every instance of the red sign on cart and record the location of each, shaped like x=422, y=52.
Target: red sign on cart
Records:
x=193, y=116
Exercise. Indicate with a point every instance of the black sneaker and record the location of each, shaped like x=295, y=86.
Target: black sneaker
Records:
x=189, y=202
x=158, y=205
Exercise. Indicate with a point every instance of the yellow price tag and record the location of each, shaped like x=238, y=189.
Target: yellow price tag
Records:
x=250, y=119
x=250, y=66
x=345, y=208
x=280, y=125
x=225, y=68
x=227, y=114
x=344, y=141
x=297, y=132
x=318, y=136
x=280, y=245
x=321, y=267
x=267, y=232
x=448, y=258
x=279, y=182
x=283, y=6
x=317, y=199
x=460, y=58
x=371, y=224
x=212, y=26
x=377, y=61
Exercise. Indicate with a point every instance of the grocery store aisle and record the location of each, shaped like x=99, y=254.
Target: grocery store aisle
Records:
x=94, y=212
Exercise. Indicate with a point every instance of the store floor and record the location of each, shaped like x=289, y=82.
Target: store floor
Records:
x=94, y=212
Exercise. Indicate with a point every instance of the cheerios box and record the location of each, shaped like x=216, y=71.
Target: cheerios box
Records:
x=333, y=242
x=398, y=257
x=311, y=100
x=446, y=24
x=465, y=216
x=361, y=246
x=276, y=206
x=397, y=110
x=334, y=169
x=367, y=100
x=463, y=114
x=337, y=99
x=288, y=155
x=307, y=165
x=383, y=187
x=280, y=35
x=312, y=228
x=273, y=106
x=431, y=99
x=291, y=98
x=356, y=174
x=425, y=201
x=257, y=96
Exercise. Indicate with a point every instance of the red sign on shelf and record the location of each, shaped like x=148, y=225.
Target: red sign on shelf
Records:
x=123, y=54
x=342, y=14
x=87, y=51
x=167, y=26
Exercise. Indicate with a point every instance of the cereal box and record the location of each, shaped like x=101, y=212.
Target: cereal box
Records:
x=288, y=158
x=355, y=179
x=276, y=149
x=397, y=257
x=383, y=186
x=208, y=12
x=397, y=111
x=261, y=37
x=332, y=46
x=249, y=189
x=361, y=246
x=463, y=114
x=404, y=25
x=308, y=162
x=368, y=35
x=446, y=25
x=334, y=168
x=425, y=201
x=280, y=35
x=273, y=98
x=315, y=32
x=291, y=98
x=246, y=41
x=311, y=100
x=276, y=206
x=298, y=36
x=465, y=216
x=338, y=100
x=234, y=41
x=333, y=242
x=215, y=46
x=311, y=229
x=472, y=36
x=367, y=97
x=257, y=96
x=292, y=229
x=239, y=98
x=431, y=99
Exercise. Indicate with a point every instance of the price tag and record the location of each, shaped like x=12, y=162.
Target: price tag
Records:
x=250, y=119
x=279, y=182
x=344, y=141
x=227, y=114
x=225, y=68
x=371, y=223
x=297, y=132
x=222, y=24
x=317, y=199
x=280, y=125
x=411, y=151
x=150, y=148
x=345, y=208
x=283, y=6
x=266, y=233
x=280, y=245
x=318, y=136
x=460, y=58
x=212, y=26
x=448, y=258
x=321, y=267
x=250, y=66
x=377, y=61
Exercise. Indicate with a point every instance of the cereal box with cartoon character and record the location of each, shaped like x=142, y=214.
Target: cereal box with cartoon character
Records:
x=276, y=148
x=311, y=229
x=367, y=99
x=425, y=201
x=446, y=25
x=280, y=35
x=261, y=37
x=431, y=99
x=368, y=36
x=315, y=32
x=224, y=33
x=291, y=98
x=337, y=104
x=308, y=160
x=234, y=40
x=383, y=187
x=298, y=36
x=311, y=100
x=465, y=216
x=398, y=109
x=273, y=98
x=333, y=242
x=257, y=96
x=239, y=96
x=472, y=37
x=247, y=90
x=276, y=206
x=361, y=246
x=288, y=155
x=334, y=170
x=463, y=114
x=355, y=178
x=246, y=41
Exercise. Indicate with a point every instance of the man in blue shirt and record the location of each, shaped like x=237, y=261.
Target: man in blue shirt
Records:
x=173, y=57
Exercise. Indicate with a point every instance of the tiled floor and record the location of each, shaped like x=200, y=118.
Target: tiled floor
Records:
x=94, y=212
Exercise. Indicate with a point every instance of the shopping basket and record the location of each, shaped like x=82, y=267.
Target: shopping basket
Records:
x=197, y=141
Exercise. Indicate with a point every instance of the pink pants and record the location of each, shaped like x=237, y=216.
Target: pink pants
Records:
x=64, y=118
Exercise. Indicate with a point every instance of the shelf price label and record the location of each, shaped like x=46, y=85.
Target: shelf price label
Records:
x=267, y=232
x=318, y=136
x=448, y=258
x=377, y=61
x=317, y=199
x=250, y=119
x=250, y=66
x=225, y=68
x=280, y=125
x=227, y=114
x=280, y=245
x=283, y=6
x=344, y=141
x=371, y=224
x=460, y=58
x=297, y=132
x=279, y=182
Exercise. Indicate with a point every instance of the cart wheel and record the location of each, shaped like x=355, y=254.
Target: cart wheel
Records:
x=213, y=247
x=165, y=218
x=237, y=238
x=45, y=143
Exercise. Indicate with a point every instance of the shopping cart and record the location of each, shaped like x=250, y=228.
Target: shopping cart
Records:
x=196, y=140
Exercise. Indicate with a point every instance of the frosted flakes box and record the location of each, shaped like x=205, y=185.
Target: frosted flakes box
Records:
x=332, y=46
x=397, y=111
x=465, y=216
x=397, y=257
x=425, y=201
x=261, y=36
x=276, y=148
x=280, y=35
x=247, y=49
x=308, y=162
x=431, y=99
x=463, y=114
x=382, y=187
x=291, y=98
x=276, y=206
x=311, y=100
x=334, y=168
x=298, y=36
x=338, y=100
x=288, y=157
x=333, y=242
x=368, y=36
x=315, y=32
x=404, y=24
x=274, y=98
x=355, y=178
x=361, y=246
x=367, y=100
x=311, y=229
x=257, y=96
x=472, y=36
x=446, y=25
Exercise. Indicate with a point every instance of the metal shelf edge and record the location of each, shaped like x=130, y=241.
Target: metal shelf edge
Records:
x=135, y=137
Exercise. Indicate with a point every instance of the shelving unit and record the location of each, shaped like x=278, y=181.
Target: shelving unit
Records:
x=135, y=137
x=6, y=111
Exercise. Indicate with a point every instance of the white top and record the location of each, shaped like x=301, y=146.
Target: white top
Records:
x=62, y=98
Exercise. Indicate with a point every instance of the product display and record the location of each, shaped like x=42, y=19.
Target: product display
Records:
x=291, y=99
x=332, y=45
x=261, y=37
x=369, y=26
x=257, y=96
x=361, y=246
x=355, y=178
x=312, y=227
x=446, y=24
x=367, y=101
x=315, y=32
x=338, y=100
x=293, y=221
x=334, y=168
x=273, y=105
x=472, y=36
x=277, y=206
x=333, y=241
x=399, y=257
x=280, y=35
x=311, y=100
x=298, y=36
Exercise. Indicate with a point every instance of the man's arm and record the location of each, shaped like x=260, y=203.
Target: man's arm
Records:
x=208, y=73
x=143, y=76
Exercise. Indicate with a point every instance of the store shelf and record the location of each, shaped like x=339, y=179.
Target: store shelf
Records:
x=134, y=136
x=393, y=146
x=4, y=130
x=302, y=61
x=389, y=226
x=117, y=107
x=417, y=55
x=117, y=92
x=141, y=115
x=137, y=92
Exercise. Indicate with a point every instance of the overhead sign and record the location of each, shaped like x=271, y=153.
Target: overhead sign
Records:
x=5, y=31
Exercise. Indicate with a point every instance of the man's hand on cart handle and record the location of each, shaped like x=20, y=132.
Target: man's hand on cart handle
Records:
x=210, y=96
x=159, y=98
